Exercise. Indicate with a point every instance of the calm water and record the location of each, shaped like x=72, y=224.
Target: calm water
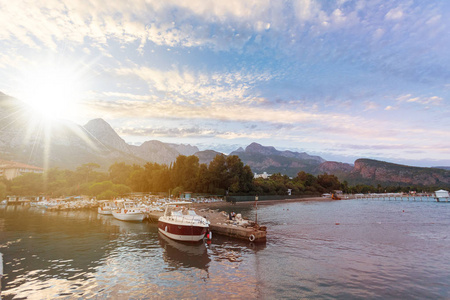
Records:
x=316, y=250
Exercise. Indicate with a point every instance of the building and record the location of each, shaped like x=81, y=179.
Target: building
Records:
x=12, y=169
x=263, y=175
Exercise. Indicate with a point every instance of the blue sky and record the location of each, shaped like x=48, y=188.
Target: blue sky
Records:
x=340, y=79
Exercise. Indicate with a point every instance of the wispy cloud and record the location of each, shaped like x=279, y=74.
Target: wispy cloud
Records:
x=296, y=71
x=194, y=88
x=433, y=100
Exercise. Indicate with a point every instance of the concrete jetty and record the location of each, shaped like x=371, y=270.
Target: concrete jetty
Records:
x=220, y=224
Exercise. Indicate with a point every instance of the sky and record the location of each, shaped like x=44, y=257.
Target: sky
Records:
x=340, y=79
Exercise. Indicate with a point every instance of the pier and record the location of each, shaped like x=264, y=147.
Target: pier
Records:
x=401, y=197
x=220, y=224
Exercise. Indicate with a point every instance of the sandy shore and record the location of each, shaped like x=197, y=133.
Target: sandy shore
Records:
x=260, y=202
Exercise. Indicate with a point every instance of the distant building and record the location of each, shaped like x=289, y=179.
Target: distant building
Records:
x=263, y=175
x=12, y=169
x=186, y=195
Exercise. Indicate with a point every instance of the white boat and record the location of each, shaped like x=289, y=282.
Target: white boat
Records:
x=442, y=195
x=105, y=207
x=127, y=211
x=180, y=223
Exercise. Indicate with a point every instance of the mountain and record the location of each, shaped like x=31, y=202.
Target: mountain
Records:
x=184, y=149
x=27, y=137
x=150, y=151
x=206, y=156
x=102, y=132
x=374, y=172
x=338, y=169
x=271, y=151
x=156, y=151
x=442, y=167
x=268, y=159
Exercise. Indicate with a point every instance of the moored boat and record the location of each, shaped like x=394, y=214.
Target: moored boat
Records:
x=181, y=223
x=127, y=211
x=105, y=207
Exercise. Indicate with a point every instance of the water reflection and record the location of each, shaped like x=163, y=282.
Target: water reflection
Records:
x=178, y=254
x=79, y=254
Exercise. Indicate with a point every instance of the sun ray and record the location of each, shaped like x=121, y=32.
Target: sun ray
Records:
x=52, y=90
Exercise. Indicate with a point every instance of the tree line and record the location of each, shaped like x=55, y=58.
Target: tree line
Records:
x=224, y=175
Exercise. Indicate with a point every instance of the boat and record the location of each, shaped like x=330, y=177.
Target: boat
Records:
x=181, y=223
x=105, y=207
x=441, y=195
x=127, y=211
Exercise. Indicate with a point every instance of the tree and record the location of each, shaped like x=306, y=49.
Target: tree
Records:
x=121, y=189
x=328, y=182
x=107, y=195
x=86, y=173
x=99, y=187
x=56, y=182
x=3, y=193
x=202, y=179
x=308, y=181
x=184, y=171
x=218, y=174
x=137, y=181
x=119, y=172
x=28, y=184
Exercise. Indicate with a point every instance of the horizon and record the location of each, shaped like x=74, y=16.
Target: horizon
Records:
x=339, y=79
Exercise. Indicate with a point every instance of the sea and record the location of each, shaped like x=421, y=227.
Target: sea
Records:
x=348, y=249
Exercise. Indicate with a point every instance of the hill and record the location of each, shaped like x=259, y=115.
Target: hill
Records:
x=268, y=159
x=380, y=172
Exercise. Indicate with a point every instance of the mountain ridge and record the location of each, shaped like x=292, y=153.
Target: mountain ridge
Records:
x=64, y=144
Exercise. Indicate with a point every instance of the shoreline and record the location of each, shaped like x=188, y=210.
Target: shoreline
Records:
x=260, y=202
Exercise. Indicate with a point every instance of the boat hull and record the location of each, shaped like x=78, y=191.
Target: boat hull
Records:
x=129, y=216
x=104, y=211
x=183, y=233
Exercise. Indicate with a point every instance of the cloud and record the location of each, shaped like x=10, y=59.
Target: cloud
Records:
x=394, y=14
x=369, y=105
x=433, y=100
x=167, y=132
x=186, y=87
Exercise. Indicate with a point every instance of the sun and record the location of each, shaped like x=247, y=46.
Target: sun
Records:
x=52, y=90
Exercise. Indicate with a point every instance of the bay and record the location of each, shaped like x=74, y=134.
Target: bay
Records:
x=348, y=249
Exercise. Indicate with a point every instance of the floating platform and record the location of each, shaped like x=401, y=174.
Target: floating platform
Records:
x=220, y=224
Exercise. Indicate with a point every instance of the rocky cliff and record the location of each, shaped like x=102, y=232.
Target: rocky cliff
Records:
x=101, y=131
x=334, y=167
x=384, y=172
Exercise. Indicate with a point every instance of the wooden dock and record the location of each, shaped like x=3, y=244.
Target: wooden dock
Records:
x=220, y=224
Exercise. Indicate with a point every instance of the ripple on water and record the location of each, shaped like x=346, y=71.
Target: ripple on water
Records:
x=376, y=251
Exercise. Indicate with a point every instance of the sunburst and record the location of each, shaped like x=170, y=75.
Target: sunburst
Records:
x=54, y=91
